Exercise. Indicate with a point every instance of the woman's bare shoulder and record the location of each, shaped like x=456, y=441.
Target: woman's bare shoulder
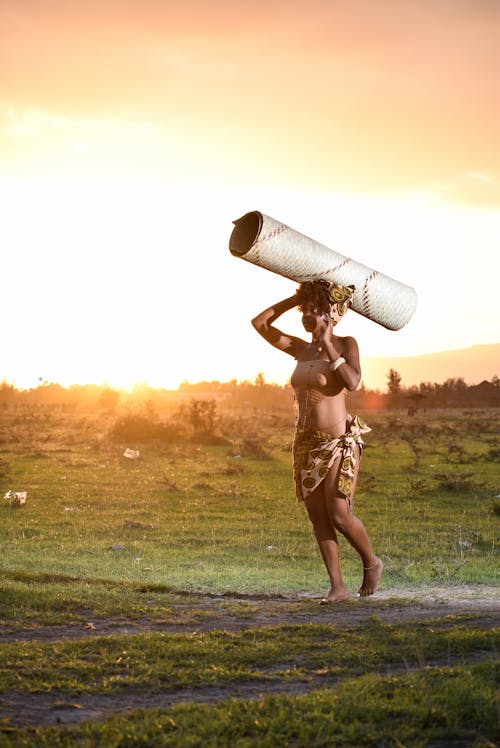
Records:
x=346, y=341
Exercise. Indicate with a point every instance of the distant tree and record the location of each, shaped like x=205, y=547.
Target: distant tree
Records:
x=426, y=387
x=7, y=392
x=50, y=392
x=108, y=399
x=393, y=382
x=259, y=380
x=457, y=384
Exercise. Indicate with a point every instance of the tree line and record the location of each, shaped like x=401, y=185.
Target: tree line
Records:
x=234, y=394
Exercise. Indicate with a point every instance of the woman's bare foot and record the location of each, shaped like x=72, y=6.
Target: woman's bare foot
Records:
x=371, y=578
x=336, y=595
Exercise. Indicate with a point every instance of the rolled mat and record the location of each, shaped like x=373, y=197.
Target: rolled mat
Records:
x=264, y=241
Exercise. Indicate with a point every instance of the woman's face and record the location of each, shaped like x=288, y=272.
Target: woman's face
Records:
x=312, y=318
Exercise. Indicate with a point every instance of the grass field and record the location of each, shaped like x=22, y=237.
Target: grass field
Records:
x=185, y=584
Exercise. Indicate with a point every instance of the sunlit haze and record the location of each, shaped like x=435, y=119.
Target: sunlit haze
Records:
x=133, y=133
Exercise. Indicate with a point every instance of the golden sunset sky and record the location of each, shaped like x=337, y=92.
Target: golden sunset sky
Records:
x=133, y=132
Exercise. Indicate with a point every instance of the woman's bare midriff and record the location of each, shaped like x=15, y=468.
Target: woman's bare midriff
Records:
x=320, y=399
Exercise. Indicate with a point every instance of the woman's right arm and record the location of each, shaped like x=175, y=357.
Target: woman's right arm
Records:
x=263, y=323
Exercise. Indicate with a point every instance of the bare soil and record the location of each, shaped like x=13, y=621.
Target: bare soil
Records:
x=479, y=606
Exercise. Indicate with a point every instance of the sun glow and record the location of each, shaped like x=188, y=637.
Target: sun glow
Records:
x=129, y=283
x=131, y=135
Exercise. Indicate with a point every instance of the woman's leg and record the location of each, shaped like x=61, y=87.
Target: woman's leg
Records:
x=328, y=545
x=343, y=520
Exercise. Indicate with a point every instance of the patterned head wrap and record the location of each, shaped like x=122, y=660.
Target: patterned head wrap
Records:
x=340, y=301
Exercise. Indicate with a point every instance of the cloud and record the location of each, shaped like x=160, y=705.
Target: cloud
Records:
x=474, y=188
x=31, y=123
x=386, y=96
x=34, y=122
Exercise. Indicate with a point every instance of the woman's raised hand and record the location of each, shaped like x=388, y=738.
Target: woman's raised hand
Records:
x=325, y=335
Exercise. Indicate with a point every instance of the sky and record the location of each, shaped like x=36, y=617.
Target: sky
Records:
x=133, y=132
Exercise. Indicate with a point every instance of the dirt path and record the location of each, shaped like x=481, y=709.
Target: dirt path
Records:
x=221, y=612
x=480, y=607
x=57, y=709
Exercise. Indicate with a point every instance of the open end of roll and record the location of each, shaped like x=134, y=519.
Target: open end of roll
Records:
x=245, y=232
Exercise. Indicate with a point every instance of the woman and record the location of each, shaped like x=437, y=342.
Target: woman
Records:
x=328, y=442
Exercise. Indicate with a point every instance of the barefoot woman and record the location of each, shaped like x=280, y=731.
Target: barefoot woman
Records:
x=328, y=441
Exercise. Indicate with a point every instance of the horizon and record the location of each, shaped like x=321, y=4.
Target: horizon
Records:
x=132, y=135
x=391, y=362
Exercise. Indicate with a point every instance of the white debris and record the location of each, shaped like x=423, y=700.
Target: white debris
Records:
x=132, y=454
x=16, y=497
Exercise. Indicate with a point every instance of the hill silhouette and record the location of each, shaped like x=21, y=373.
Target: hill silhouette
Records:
x=474, y=364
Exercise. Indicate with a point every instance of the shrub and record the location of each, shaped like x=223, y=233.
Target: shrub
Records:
x=141, y=427
x=253, y=446
x=201, y=414
x=494, y=454
x=4, y=468
x=458, y=482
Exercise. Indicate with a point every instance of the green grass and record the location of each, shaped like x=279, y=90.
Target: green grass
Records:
x=456, y=705
x=34, y=602
x=56, y=599
x=105, y=539
x=200, y=518
x=157, y=662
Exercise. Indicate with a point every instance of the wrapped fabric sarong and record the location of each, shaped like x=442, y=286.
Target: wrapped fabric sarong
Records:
x=314, y=453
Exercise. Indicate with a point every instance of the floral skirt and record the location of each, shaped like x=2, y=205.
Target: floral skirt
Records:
x=314, y=453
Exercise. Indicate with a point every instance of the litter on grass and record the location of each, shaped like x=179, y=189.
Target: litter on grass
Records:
x=16, y=498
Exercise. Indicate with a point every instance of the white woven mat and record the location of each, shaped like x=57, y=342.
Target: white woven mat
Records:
x=282, y=250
